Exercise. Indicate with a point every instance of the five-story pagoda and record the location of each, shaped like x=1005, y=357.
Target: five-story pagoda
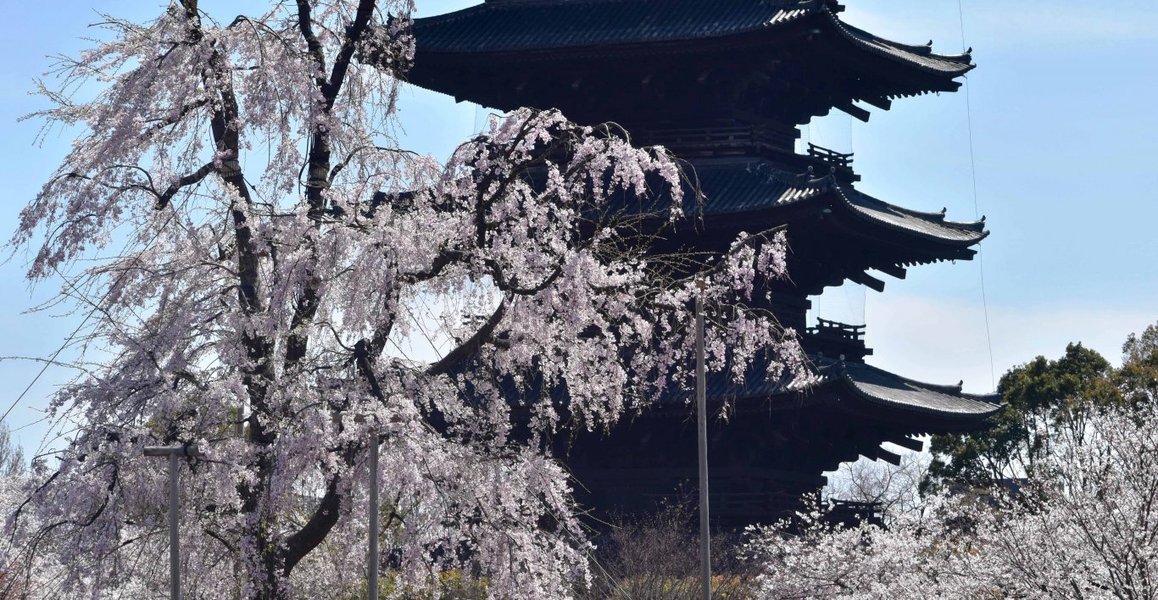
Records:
x=724, y=84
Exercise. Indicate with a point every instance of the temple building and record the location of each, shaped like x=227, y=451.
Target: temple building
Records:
x=724, y=84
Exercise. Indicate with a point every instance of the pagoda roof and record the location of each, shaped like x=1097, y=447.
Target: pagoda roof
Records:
x=514, y=25
x=878, y=386
x=732, y=189
x=631, y=61
x=835, y=231
x=502, y=26
x=855, y=383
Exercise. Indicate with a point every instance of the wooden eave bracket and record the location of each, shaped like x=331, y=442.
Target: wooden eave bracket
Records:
x=890, y=269
x=879, y=102
x=853, y=110
x=866, y=280
x=909, y=443
x=890, y=457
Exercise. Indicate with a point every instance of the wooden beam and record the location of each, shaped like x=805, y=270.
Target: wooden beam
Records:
x=894, y=270
x=889, y=457
x=881, y=103
x=866, y=280
x=853, y=110
x=910, y=443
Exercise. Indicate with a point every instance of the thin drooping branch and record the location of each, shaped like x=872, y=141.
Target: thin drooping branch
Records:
x=173, y=119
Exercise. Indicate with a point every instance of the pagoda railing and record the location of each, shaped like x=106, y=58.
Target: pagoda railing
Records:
x=832, y=157
x=835, y=339
x=849, y=513
x=837, y=330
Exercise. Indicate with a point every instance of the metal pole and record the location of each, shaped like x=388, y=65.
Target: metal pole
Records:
x=702, y=426
x=174, y=538
x=173, y=452
x=372, y=559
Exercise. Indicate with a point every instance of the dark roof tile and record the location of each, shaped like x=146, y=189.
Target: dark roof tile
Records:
x=932, y=225
x=866, y=382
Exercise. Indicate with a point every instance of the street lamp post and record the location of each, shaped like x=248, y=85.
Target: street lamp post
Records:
x=173, y=452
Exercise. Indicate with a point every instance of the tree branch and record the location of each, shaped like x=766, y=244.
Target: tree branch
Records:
x=313, y=46
x=298, y=545
x=346, y=53
x=193, y=178
x=472, y=345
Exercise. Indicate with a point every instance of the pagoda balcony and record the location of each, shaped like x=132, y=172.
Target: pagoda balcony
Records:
x=850, y=513
x=739, y=138
x=837, y=340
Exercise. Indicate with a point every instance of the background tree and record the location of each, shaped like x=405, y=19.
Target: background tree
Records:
x=1041, y=397
x=919, y=556
x=253, y=250
x=894, y=488
x=1094, y=531
x=1089, y=530
x=12, y=479
x=11, y=455
x=1137, y=379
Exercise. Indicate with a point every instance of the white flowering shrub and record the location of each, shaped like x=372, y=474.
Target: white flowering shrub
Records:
x=1084, y=528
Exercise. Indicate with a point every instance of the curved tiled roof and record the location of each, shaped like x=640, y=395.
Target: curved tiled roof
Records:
x=516, y=26
x=732, y=189
x=932, y=225
x=920, y=56
x=881, y=387
x=862, y=381
x=539, y=24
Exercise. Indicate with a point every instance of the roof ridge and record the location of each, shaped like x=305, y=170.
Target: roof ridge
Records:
x=977, y=225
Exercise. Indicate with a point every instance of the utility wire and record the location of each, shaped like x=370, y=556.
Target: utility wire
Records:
x=976, y=205
x=51, y=361
x=68, y=341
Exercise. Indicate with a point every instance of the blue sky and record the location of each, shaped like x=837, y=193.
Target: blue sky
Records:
x=1065, y=140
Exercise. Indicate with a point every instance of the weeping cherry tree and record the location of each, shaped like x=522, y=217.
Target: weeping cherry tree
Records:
x=255, y=253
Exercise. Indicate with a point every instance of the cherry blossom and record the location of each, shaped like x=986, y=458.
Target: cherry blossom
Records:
x=257, y=253
x=1084, y=527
